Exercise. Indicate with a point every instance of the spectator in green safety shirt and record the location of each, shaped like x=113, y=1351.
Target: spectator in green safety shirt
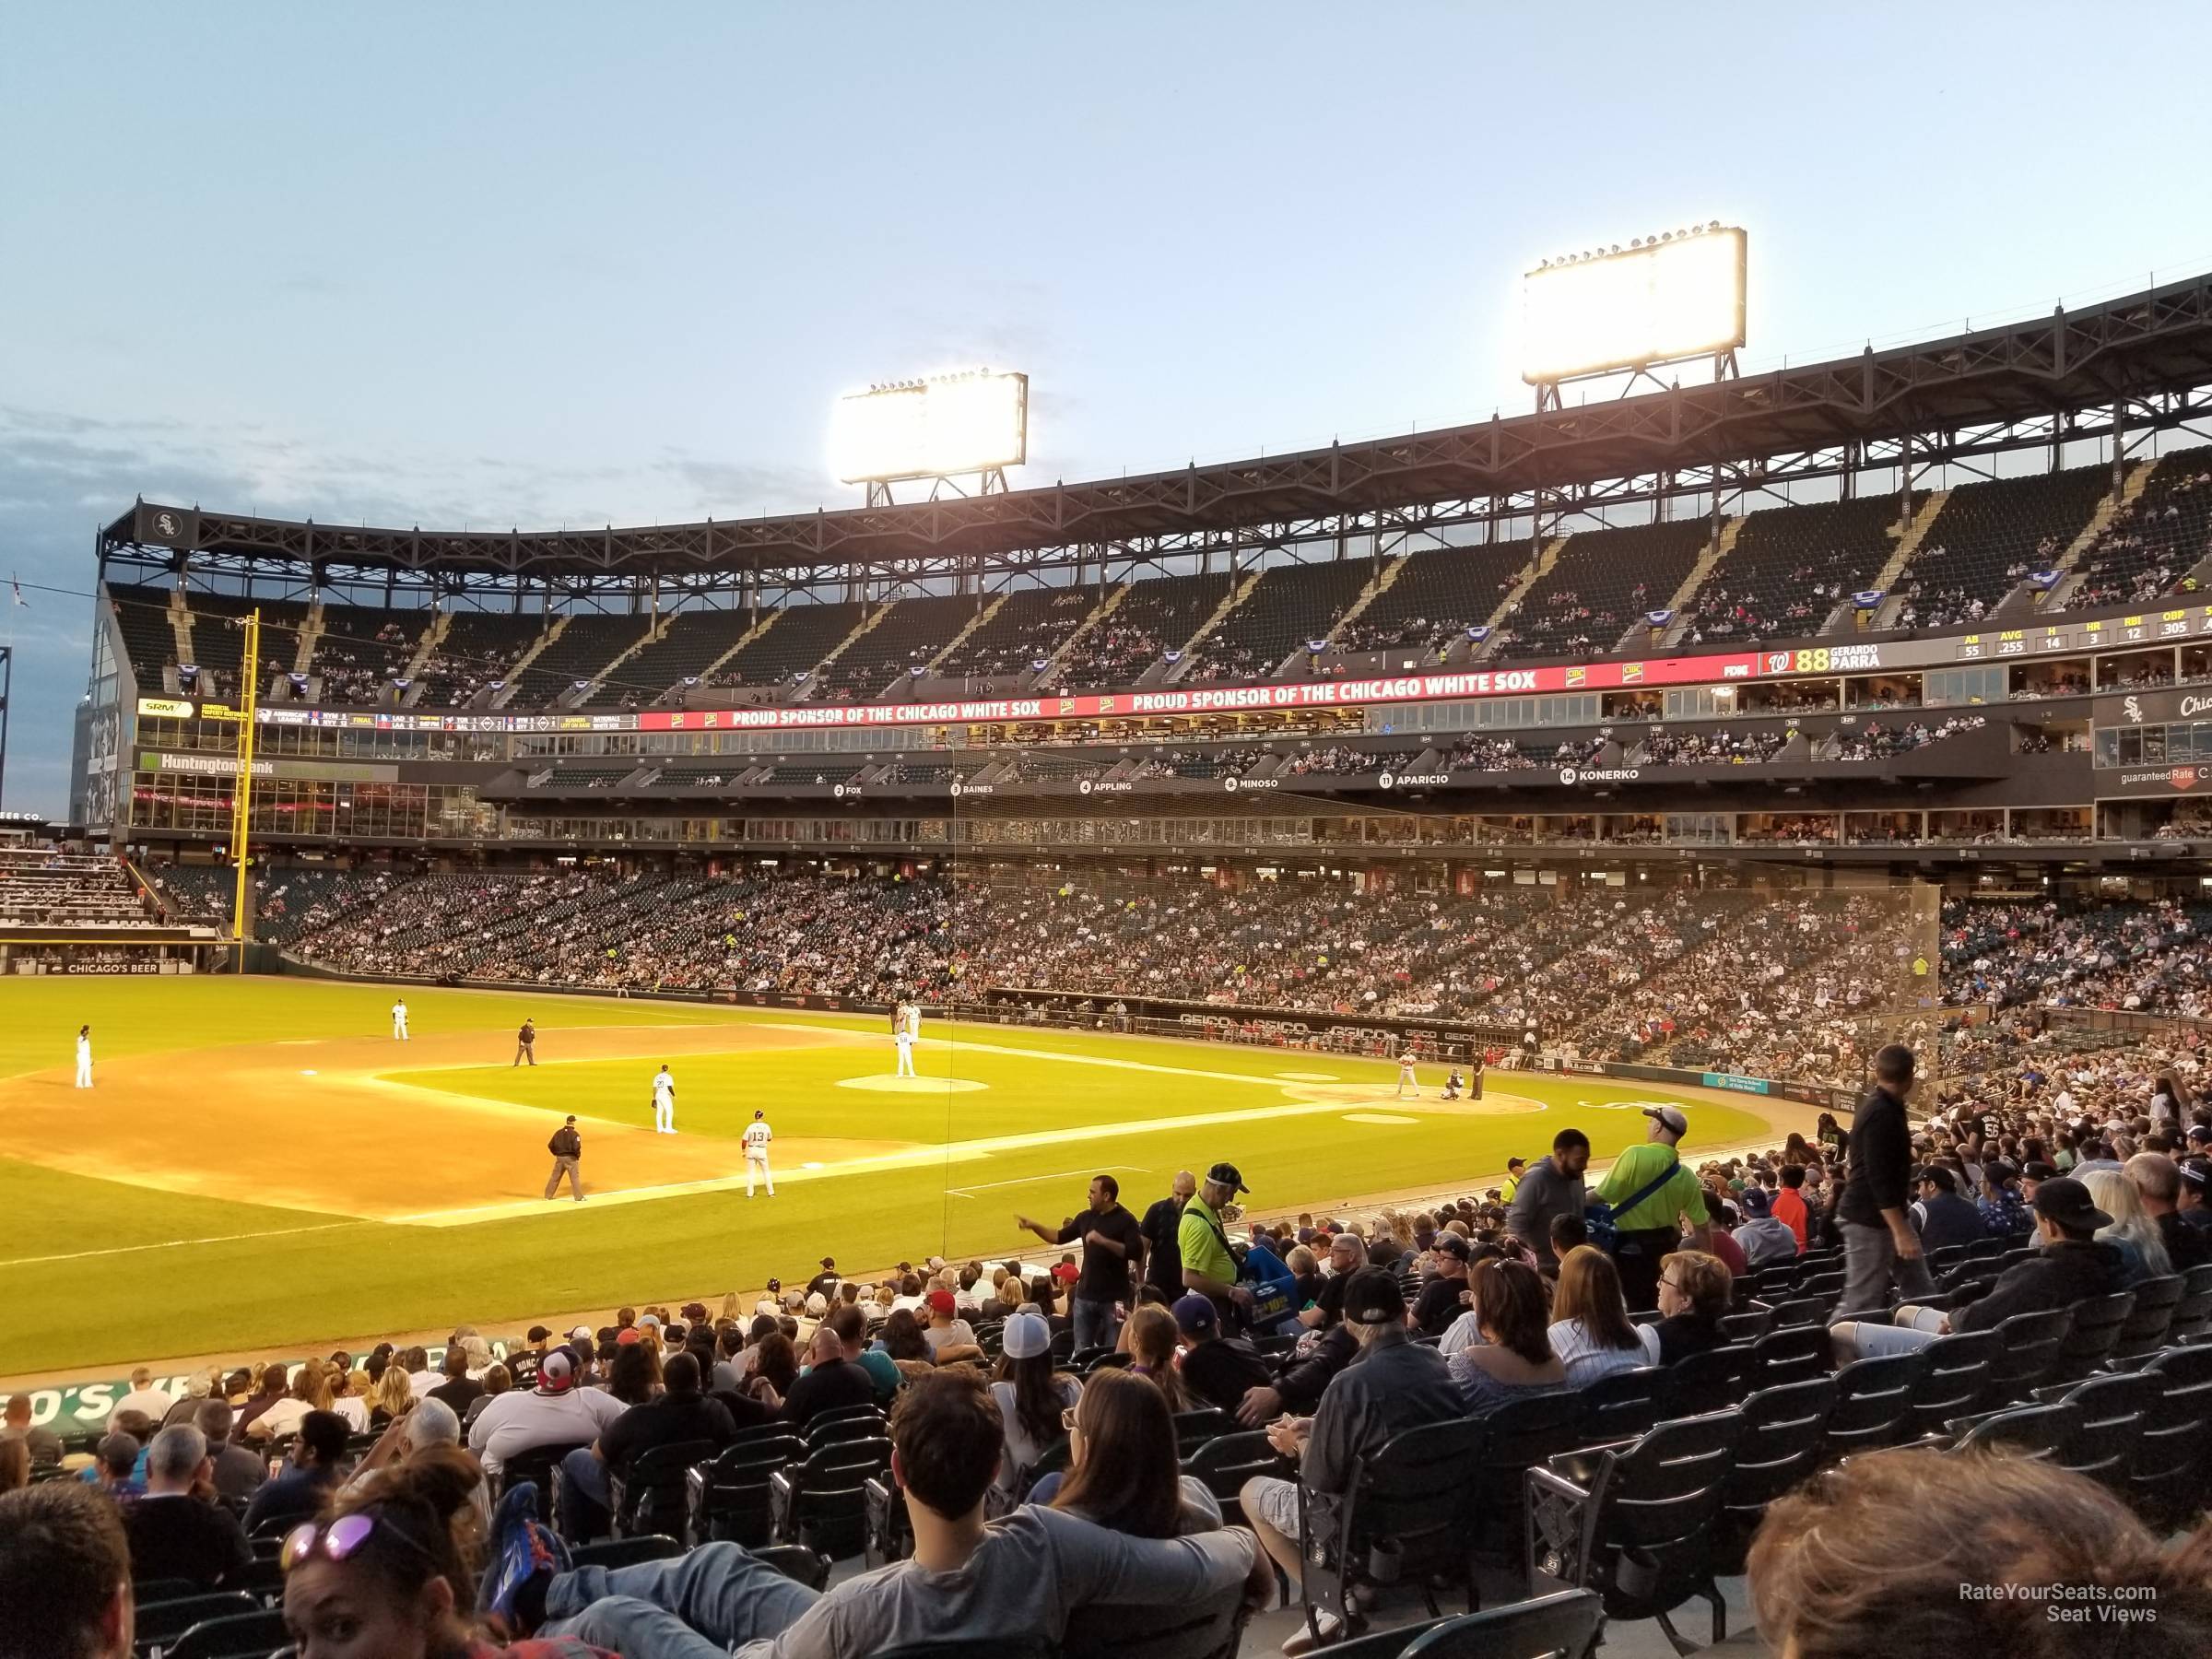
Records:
x=1207, y=1265
x=1664, y=1192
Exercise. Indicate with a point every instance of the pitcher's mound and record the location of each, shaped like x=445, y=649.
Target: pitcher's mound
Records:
x=894, y=1084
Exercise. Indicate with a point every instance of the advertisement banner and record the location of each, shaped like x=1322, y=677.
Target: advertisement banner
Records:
x=1741, y=1085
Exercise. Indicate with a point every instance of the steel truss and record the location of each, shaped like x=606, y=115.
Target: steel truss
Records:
x=2117, y=372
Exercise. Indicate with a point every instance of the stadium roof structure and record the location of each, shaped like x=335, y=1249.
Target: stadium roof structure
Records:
x=2128, y=366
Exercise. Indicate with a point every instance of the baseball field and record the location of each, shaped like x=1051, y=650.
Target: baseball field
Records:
x=260, y=1165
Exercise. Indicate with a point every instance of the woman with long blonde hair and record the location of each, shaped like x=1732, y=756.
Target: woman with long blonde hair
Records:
x=394, y=1399
x=2133, y=1232
x=1591, y=1331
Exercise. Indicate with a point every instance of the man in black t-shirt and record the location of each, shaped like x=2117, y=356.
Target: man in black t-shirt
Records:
x=680, y=1413
x=1217, y=1369
x=173, y=1533
x=1113, y=1251
x=833, y=1378
x=1346, y=1256
x=826, y=1281
x=1439, y=1301
x=1163, y=1254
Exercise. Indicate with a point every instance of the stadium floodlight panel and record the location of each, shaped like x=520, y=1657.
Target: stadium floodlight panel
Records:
x=1681, y=297
x=938, y=428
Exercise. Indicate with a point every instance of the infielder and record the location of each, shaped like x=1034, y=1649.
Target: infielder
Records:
x=664, y=1101
x=757, y=1136
x=84, y=1056
x=906, y=1025
x=399, y=1021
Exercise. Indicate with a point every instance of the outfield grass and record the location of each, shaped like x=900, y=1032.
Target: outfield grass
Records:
x=314, y=1278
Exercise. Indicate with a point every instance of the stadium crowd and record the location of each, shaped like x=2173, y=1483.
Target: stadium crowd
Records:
x=1055, y=1429
x=1774, y=983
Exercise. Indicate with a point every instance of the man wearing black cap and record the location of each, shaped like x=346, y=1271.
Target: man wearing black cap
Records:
x=1207, y=1265
x=1394, y=1384
x=2195, y=1203
x=2072, y=1265
x=1944, y=1218
x=1881, y=1248
x=824, y=1282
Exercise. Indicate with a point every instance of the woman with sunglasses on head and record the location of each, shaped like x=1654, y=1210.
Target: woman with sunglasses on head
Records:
x=388, y=1575
x=1124, y=1473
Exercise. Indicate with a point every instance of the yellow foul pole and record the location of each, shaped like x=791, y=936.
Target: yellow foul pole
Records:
x=241, y=794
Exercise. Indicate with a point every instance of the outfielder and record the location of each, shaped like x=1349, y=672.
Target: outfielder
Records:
x=664, y=1101
x=399, y=1021
x=906, y=1025
x=757, y=1136
x=84, y=1056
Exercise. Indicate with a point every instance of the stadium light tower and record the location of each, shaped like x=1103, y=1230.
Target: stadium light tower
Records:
x=940, y=429
x=1673, y=298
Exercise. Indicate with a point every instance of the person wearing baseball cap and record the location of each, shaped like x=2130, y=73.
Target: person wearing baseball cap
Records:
x=2072, y=1265
x=826, y=1281
x=1652, y=1190
x=1762, y=1237
x=1217, y=1370
x=1881, y=1252
x=1208, y=1267
x=1944, y=1218
x=950, y=1338
x=2194, y=1202
x=1395, y=1384
x=556, y=1413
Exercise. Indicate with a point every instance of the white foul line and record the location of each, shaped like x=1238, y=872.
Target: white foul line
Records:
x=79, y=1255
x=969, y=1192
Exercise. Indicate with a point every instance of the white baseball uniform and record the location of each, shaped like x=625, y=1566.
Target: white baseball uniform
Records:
x=664, y=1103
x=84, y=1062
x=906, y=1024
x=1406, y=1079
x=757, y=1136
x=399, y=1022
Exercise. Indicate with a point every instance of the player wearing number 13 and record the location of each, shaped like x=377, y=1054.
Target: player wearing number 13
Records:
x=757, y=1136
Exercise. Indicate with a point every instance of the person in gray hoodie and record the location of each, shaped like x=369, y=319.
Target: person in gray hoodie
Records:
x=1763, y=1238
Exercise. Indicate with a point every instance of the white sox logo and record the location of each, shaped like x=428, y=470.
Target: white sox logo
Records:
x=165, y=523
x=2134, y=709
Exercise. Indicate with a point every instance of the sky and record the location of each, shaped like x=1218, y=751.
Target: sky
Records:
x=558, y=264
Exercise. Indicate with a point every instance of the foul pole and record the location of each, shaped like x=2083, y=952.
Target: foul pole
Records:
x=241, y=794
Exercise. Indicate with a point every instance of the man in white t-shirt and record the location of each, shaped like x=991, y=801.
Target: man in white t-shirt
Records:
x=757, y=1136
x=664, y=1101
x=144, y=1396
x=556, y=1413
x=84, y=1056
x=399, y=1021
